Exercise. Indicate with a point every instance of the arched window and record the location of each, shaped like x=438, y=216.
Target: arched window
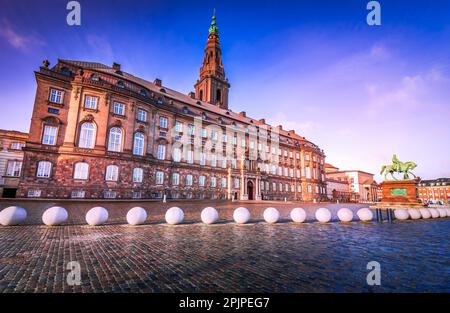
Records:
x=115, y=139
x=87, y=135
x=201, y=95
x=138, y=174
x=44, y=169
x=176, y=154
x=138, y=145
x=219, y=95
x=143, y=92
x=81, y=171
x=112, y=173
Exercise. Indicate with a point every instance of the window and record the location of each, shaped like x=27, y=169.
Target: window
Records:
x=178, y=127
x=142, y=115
x=297, y=173
x=55, y=96
x=280, y=171
x=161, y=152
x=252, y=145
x=159, y=178
x=274, y=186
x=115, y=139
x=13, y=168
x=190, y=157
x=203, y=133
x=17, y=145
x=143, y=92
x=81, y=171
x=213, y=160
x=201, y=181
x=176, y=154
x=90, y=102
x=44, y=169
x=219, y=95
x=297, y=156
x=175, y=179
x=285, y=153
x=280, y=186
x=307, y=157
x=309, y=188
x=213, y=182
x=233, y=163
x=138, y=144
x=243, y=143
x=119, y=108
x=307, y=172
x=224, y=162
x=112, y=173
x=213, y=135
x=188, y=180
x=191, y=130
x=286, y=171
x=236, y=183
x=163, y=122
x=202, y=158
x=87, y=136
x=223, y=182
x=224, y=138
x=234, y=140
x=49, y=136
x=299, y=188
x=138, y=174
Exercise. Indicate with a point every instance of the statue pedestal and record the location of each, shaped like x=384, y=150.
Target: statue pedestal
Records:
x=399, y=194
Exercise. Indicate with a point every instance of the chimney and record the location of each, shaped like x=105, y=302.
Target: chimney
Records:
x=116, y=66
x=158, y=82
x=280, y=127
x=262, y=121
x=192, y=94
x=242, y=114
x=292, y=131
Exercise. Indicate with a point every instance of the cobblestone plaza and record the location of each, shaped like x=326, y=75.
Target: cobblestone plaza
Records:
x=223, y=257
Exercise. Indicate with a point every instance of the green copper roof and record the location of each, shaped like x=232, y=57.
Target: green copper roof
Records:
x=214, y=28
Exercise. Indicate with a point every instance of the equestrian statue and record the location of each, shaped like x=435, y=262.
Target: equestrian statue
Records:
x=398, y=167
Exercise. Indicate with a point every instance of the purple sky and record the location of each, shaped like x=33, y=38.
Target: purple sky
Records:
x=361, y=93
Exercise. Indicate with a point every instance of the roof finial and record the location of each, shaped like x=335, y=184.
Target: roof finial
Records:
x=214, y=29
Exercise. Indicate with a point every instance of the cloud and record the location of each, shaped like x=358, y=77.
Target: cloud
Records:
x=100, y=46
x=17, y=40
x=302, y=128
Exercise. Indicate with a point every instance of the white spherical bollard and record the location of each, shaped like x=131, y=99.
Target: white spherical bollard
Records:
x=434, y=213
x=365, y=214
x=136, y=216
x=442, y=212
x=414, y=214
x=209, y=215
x=54, y=216
x=174, y=215
x=271, y=215
x=448, y=212
x=345, y=215
x=425, y=213
x=298, y=215
x=13, y=215
x=323, y=215
x=241, y=215
x=97, y=216
x=401, y=214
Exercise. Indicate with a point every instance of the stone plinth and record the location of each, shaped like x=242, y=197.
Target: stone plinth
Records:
x=399, y=194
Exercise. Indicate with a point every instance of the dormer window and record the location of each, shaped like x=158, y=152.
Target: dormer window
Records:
x=121, y=84
x=95, y=78
x=143, y=93
x=65, y=71
x=204, y=116
x=185, y=110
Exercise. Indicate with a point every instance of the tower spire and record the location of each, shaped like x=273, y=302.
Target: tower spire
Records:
x=212, y=86
x=213, y=28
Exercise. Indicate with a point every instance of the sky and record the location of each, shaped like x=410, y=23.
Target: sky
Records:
x=360, y=92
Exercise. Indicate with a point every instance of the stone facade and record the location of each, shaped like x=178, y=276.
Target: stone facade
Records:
x=434, y=190
x=93, y=125
x=11, y=155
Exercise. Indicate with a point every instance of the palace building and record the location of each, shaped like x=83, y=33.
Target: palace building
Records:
x=434, y=190
x=100, y=132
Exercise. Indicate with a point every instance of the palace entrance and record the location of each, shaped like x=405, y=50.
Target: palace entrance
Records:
x=250, y=193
